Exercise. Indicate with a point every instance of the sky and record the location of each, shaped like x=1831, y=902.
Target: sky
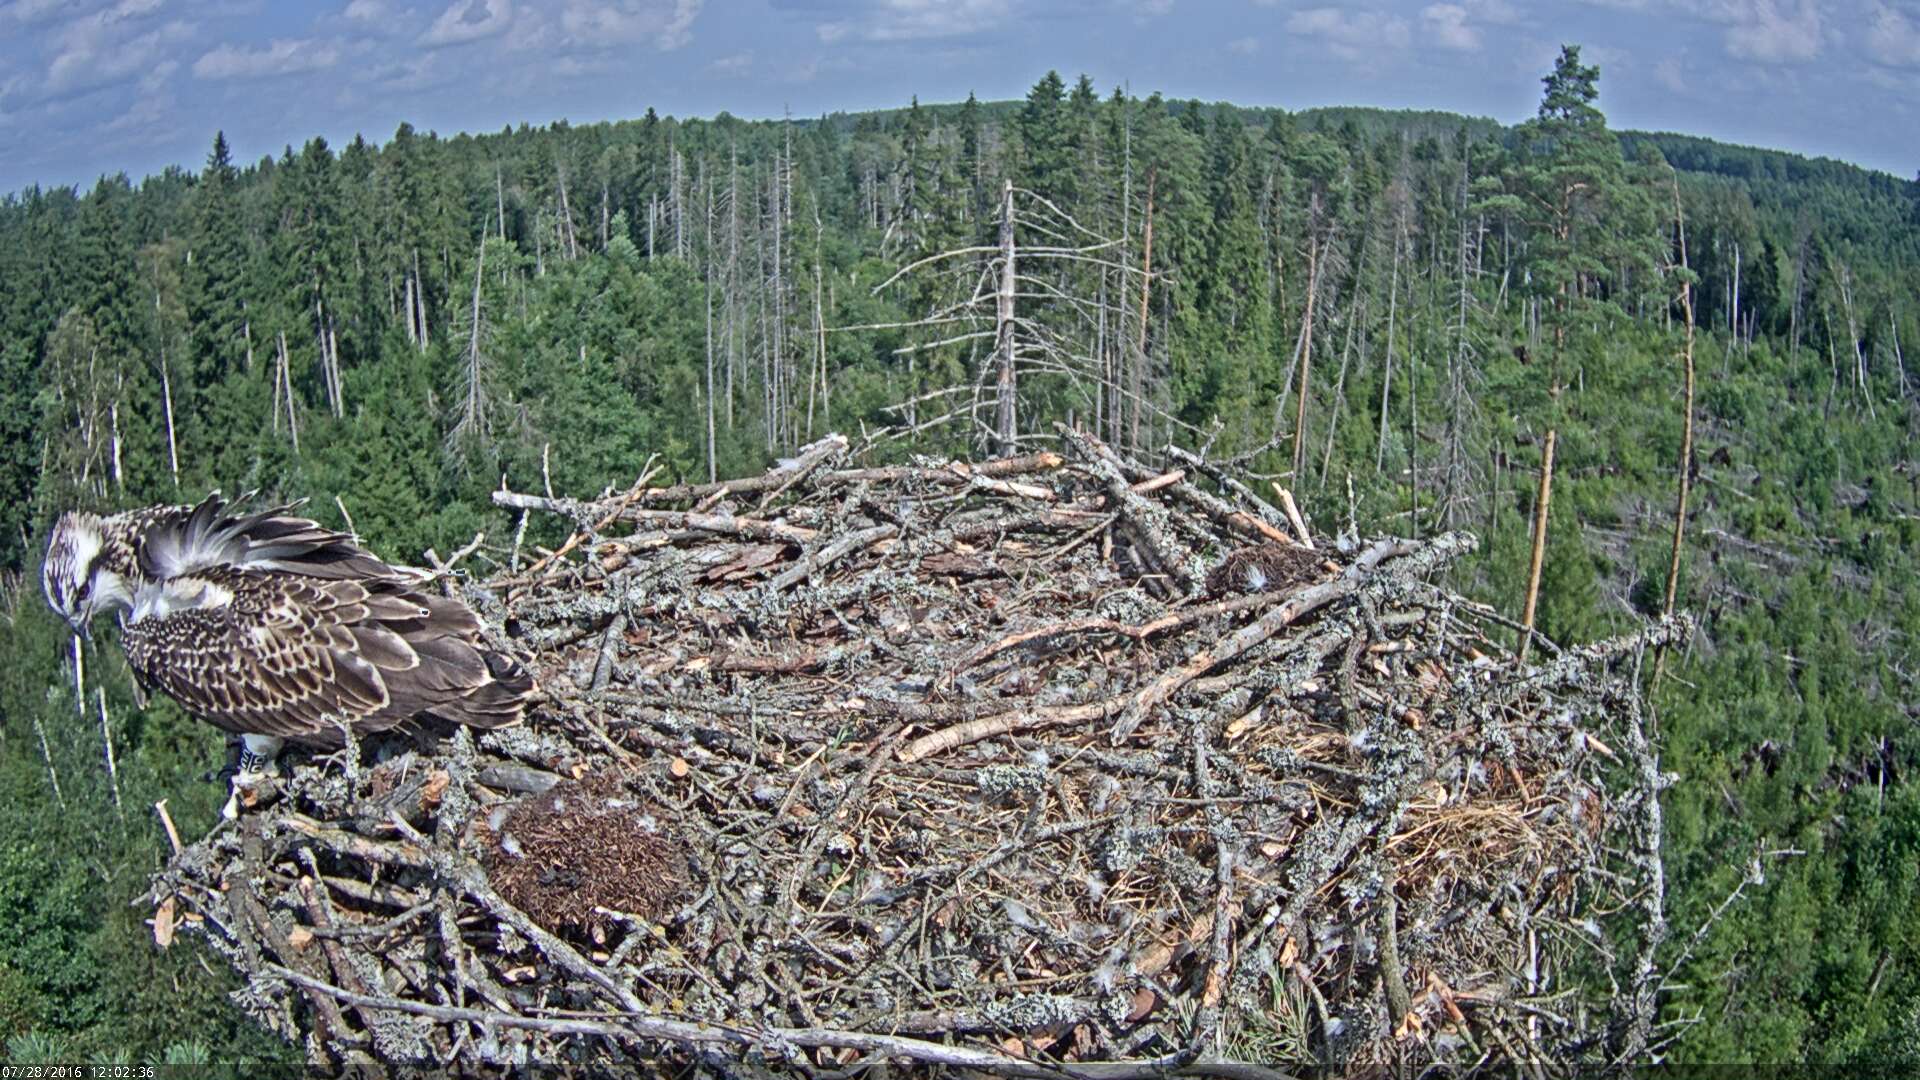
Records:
x=93, y=87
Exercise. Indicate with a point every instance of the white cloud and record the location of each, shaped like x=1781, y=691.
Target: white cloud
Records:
x=109, y=47
x=1493, y=11
x=153, y=80
x=468, y=20
x=279, y=57
x=812, y=68
x=32, y=11
x=1893, y=39
x=366, y=10
x=919, y=20
x=573, y=67
x=737, y=64
x=1351, y=35
x=148, y=121
x=413, y=74
x=1458, y=24
x=1245, y=46
x=1671, y=74
x=1446, y=26
x=667, y=24
x=1766, y=33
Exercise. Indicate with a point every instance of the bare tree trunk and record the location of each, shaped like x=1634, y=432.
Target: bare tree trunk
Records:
x=676, y=206
x=420, y=298
x=500, y=200
x=1860, y=380
x=285, y=387
x=1005, y=420
x=46, y=751
x=713, y=463
x=1900, y=361
x=1800, y=254
x=1306, y=361
x=1386, y=380
x=1539, y=545
x=782, y=225
x=1413, y=440
x=329, y=370
x=113, y=422
x=166, y=402
x=1733, y=316
x=413, y=334
x=106, y=741
x=820, y=325
x=475, y=408
x=566, y=217
x=339, y=388
x=1136, y=381
x=1116, y=343
x=1456, y=377
x=1340, y=383
x=1686, y=434
x=732, y=298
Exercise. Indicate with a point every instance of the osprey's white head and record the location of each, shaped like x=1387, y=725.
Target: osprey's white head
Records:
x=83, y=571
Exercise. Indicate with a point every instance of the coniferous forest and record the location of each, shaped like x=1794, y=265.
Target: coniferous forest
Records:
x=1400, y=306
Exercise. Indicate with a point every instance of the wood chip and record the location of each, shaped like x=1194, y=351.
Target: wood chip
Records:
x=163, y=922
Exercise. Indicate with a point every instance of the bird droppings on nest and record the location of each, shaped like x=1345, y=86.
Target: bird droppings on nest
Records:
x=1073, y=806
x=584, y=849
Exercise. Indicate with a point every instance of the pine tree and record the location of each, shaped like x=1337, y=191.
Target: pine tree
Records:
x=1045, y=154
x=1569, y=183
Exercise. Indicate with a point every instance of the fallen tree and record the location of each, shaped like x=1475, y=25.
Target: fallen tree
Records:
x=1048, y=760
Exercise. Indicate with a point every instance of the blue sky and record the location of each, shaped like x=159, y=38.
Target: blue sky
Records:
x=90, y=87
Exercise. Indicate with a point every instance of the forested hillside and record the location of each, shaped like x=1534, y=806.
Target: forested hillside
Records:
x=1400, y=305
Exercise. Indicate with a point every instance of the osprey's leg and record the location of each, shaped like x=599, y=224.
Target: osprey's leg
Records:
x=231, y=765
x=256, y=764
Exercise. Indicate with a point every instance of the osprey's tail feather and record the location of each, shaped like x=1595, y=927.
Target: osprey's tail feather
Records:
x=272, y=539
x=502, y=699
x=460, y=682
x=431, y=659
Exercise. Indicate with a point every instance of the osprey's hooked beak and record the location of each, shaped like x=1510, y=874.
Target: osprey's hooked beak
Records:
x=82, y=623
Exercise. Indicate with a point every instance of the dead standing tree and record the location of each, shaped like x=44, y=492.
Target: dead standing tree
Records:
x=1042, y=306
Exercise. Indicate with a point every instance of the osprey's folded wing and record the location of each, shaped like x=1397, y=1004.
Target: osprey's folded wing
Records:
x=300, y=657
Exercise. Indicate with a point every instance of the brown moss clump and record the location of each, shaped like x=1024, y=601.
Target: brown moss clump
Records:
x=1264, y=568
x=582, y=848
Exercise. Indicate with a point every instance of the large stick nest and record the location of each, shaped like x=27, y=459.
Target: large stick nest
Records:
x=1022, y=764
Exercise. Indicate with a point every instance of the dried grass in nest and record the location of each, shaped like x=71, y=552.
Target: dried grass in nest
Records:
x=583, y=849
x=968, y=766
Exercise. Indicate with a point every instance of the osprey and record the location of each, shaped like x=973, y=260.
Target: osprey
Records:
x=275, y=628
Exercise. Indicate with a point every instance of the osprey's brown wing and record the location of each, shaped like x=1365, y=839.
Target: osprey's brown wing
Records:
x=297, y=657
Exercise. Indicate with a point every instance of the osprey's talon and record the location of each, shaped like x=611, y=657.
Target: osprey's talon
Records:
x=257, y=753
